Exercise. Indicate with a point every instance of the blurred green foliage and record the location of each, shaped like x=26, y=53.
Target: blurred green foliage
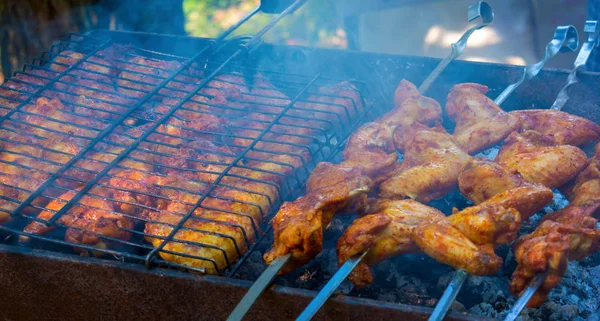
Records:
x=314, y=24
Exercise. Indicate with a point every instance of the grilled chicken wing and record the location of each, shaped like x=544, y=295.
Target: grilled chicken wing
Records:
x=586, y=187
x=466, y=239
x=568, y=234
x=552, y=166
x=298, y=226
x=387, y=233
x=483, y=180
x=480, y=123
x=432, y=162
x=562, y=128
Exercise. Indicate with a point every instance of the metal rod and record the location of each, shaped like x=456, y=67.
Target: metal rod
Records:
x=449, y=295
x=258, y=288
x=525, y=297
x=330, y=287
x=480, y=10
x=565, y=40
x=591, y=28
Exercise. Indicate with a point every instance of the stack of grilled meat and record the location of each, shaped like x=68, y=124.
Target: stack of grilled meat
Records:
x=539, y=153
x=150, y=191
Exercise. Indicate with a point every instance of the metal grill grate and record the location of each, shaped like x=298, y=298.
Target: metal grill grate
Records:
x=149, y=157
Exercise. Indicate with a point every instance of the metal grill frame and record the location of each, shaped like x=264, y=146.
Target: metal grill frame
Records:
x=333, y=141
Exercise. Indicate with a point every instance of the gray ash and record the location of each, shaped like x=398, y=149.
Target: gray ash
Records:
x=419, y=280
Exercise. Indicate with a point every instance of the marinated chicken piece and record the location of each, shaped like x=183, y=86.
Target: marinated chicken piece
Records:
x=563, y=128
x=404, y=91
x=386, y=234
x=403, y=135
x=371, y=147
x=586, y=187
x=374, y=144
x=298, y=226
x=551, y=166
x=53, y=122
x=480, y=123
x=102, y=213
x=466, y=239
x=432, y=163
x=484, y=180
x=14, y=189
x=216, y=234
x=568, y=234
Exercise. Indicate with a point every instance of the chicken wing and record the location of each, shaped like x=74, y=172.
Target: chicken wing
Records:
x=563, y=128
x=586, y=187
x=552, y=166
x=386, y=234
x=432, y=162
x=298, y=226
x=568, y=234
x=485, y=180
x=480, y=123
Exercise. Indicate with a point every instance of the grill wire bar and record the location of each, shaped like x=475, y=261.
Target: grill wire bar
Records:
x=116, y=123
x=592, y=30
x=54, y=75
x=565, y=40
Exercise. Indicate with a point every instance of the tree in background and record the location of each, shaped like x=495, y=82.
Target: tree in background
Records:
x=28, y=27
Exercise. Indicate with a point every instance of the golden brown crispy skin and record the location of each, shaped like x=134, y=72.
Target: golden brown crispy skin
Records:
x=466, y=239
x=218, y=232
x=96, y=215
x=385, y=234
x=371, y=148
x=568, y=234
x=563, y=128
x=298, y=225
x=586, y=187
x=488, y=223
x=480, y=123
x=432, y=162
x=551, y=166
x=485, y=180
x=404, y=91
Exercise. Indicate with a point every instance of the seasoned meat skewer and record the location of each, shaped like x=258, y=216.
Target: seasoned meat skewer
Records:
x=369, y=157
x=568, y=234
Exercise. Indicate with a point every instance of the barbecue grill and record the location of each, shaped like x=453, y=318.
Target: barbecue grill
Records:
x=130, y=278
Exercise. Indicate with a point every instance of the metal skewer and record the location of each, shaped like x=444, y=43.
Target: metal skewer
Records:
x=565, y=40
x=591, y=28
x=330, y=287
x=480, y=10
x=525, y=297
